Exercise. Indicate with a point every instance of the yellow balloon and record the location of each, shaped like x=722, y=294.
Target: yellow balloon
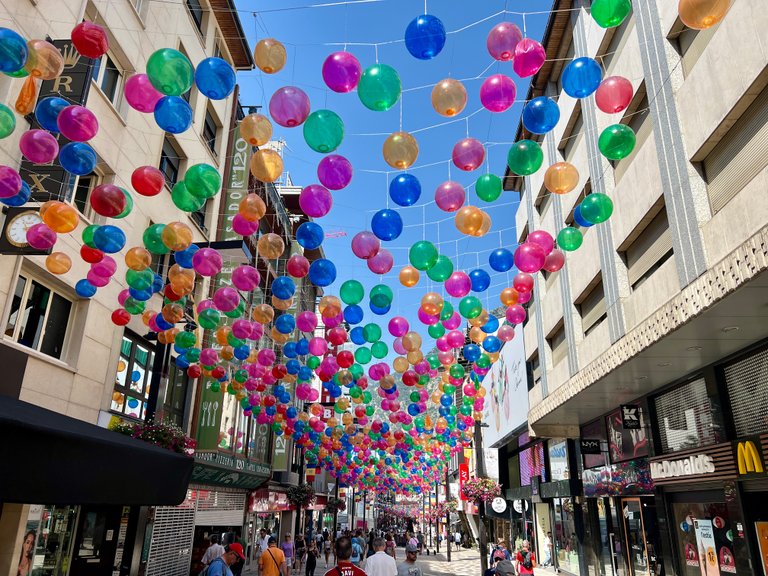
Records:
x=252, y=207
x=702, y=14
x=256, y=129
x=415, y=356
x=58, y=263
x=176, y=236
x=139, y=258
x=561, y=178
x=266, y=165
x=432, y=303
x=400, y=364
x=270, y=55
x=468, y=220
x=409, y=276
x=270, y=246
x=449, y=97
x=400, y=150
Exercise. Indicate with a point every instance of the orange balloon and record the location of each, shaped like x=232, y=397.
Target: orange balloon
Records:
x=256, y=129
x=139, y=258
x=400, y=150
x=227, y=353
x=449, y=97
x=477, y=335
x=400, y=364
x=278, y=337
x=146, y=316
x=485, y=227
x=329, y=306
x=561, y=178
x=415, y=356
x=59, y=216
x=509, y=296
x=279, y=304
x=468, y=220
x=432, y=303
x=266, y=165
x=176, y=236
x=182, y=280
x=173, y=312
x=479, y=320
x=270, y=246
x=221, y=334
x=411, y=341
x=345, y=377
x=44, y=60
x=702, y=14
x=494, y=356
x=117, y=397
x=387, y=381
x=270, y=55
x=252, y=207
x=25, y=102
x=409, y=276
x=58, y=263
x=263, y=313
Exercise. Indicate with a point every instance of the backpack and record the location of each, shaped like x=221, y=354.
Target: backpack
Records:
x=207, y=569
x=527, y=561
x=356, y=552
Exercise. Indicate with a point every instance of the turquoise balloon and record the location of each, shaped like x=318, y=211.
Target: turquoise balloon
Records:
x=525, y=157
x=488, y=187
x=379, y=87
x=323, y=131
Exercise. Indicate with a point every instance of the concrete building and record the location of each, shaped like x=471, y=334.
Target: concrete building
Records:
x=650, y=342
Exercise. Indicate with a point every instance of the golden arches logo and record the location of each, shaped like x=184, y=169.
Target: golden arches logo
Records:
x=748, y=458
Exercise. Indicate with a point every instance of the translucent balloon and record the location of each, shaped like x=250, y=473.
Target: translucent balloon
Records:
x=47, y=112
x=458, y=285
x=283, y=287
x=523, y=283
x=173, y=114
x=596, y=208
x=109, y=239
x=38, y=146
x=341, y=72
x=215, y=78
x=207, y=262
x=138, y=258
x=13, y=51
x=44, y=61
x=84, y=289
x=177, y=236
x=449, y=97
x=78, y=158
x=289, y=106
x=498, y=93
x=503, y=40
x=77, y=123
x=58, y=263
x=408, y=276
x=617, y=141
x=140, y=93
x=614, y=94
x=450, y=196
x=525, y=157
x=147, y=180
x=554, y=262
x=202, y=180
x=41, y=237
x=540, y=115
x=323, y=131
x=387, y=224
x=441, y=270
x=468, y=154
x=334, y=172
x=60, y=217
x=322, y=272
x=90, y=39
x=270, y=55
x=107, y=200
x=569, y=239
x=246, y=278
x=379, y=87
x=579, y=219
x=405, y=189
x=515, y=314
x=470, y=307
x=581, y=77
x=153, y=239
x=610, y=13
x=469, y=220
x=400, y=150
x=315, y=200
x=423, y=255
x=529, y=257
x=501, y=260
x=310, y=235
x=543, y=239
x=480, y=279
x=365, y=245
x=529, y=57
x=702, y=14
x=270, y=246
x=508, y=296
x=170, y=72
x=425, y=37
x=266, y=165
x=184, y=200
x=20, y=198
x=432, y=303
x=25, y=102
x=561, y=178
x=297, y=266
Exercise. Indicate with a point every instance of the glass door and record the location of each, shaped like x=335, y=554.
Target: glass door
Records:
x=634, y=530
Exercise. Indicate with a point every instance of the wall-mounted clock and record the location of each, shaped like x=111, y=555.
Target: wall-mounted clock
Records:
x=18, y=220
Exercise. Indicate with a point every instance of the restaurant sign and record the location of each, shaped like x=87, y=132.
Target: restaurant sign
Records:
x=221, y=469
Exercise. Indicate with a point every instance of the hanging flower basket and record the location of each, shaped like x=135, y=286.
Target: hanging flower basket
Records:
x=335, y=505
x=301, y=496
x=481, y=490
x=162, y=434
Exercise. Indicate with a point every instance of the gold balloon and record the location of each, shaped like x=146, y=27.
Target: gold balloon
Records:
x=227, y=353
x=252, y=207
x=345, y=377
x=432, y=303
x=173, y=312
x=387, y=381
x=477, y=335
x=263, y=313
x=561, y=178
x=139, y=258
x=58, y=263
x=44, y=60
x=509, y=296
x=415, y=356
x=270, y=246
x=449, y=97
x=182, y=280
x=329, y=306
x=279, y=304
x=400, y=150
x=266, y=165
x=270, y=55
x=702, y=14
x=59, y=216
x=256, y=129
x=494, y=356
x=176, y=236
x=485, y=227
x=479, y=320
x=279, y=337
x=409, y=276
x=222, y=334
x=468, y=220
x=411, y=341
x=400, y=364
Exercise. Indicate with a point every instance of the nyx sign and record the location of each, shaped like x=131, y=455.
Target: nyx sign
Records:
x=590, y=446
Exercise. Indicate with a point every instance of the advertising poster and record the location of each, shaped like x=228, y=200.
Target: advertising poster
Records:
x=506, y=388
x=31, y=532
x=705, y=542
x=762, y=540
x=626, y=444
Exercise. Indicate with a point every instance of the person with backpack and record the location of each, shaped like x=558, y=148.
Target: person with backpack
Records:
x=526, y=559
x=391, y=547
x=344, y=566
x=233, y=553
x=357, y=552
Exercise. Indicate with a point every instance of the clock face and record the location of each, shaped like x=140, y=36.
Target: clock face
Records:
x=16, y=231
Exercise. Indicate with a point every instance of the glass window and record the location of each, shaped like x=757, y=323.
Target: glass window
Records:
x=558, y=460
x=702, y=535
x=53, y=546
x=211, y=132
x=196, y=11
x=626, y=444
x=685, y=418
x=198, y=216
x=565, y=540
x=83, y=186
x=229, y=432
x=170, y=163
x=134, y=373
x=175, y=395
x=109, y=77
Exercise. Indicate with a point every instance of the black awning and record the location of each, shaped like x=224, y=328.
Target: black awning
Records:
x=50, y=458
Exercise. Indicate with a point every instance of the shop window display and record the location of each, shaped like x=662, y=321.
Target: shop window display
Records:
x=704, y=538
x=566, y=542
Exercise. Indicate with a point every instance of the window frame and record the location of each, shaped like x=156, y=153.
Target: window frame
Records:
x=199, y=22
x=164, y=156
x=211, y=143
x=587, y=303
x=96, y=179
x=126, y=391
x=662, y=242
x=99, y=73
x=558, y=346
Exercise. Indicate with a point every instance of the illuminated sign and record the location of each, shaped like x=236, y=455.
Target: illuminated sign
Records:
x=690, y=466
x=748, y=458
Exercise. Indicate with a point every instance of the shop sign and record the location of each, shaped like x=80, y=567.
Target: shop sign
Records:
x=696, y=465
x=217, y=468
x=499, y=505
x=518, y=506
x=463, y=477
x=590, y=446
x=630, y=417
x=749, y=457
x=237, y=182
x=624, y=479
x=209, y=422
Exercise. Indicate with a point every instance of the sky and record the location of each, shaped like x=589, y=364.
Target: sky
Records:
x=310, y=34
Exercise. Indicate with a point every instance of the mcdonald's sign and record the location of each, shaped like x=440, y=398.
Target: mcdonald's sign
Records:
x=749, y=459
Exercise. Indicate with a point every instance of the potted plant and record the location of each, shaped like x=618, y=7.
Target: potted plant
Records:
x=162, y=434
x=301, y=496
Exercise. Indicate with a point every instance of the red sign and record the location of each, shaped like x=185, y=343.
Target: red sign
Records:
x=463, y=477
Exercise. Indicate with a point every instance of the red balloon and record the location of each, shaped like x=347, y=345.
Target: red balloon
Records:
x=523, y=282
x=90, y=39
x=279, y=371
x=193, y=371
x=108, y=200
x=614, y=94
x=91, y=255
x=410, y=378
x=218, y=372
x=170, y=294
x=147, y=180
x=345, y=358
x=337, y=336
x=121, y=317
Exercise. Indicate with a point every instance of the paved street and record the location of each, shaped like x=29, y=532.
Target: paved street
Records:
x=463, y=563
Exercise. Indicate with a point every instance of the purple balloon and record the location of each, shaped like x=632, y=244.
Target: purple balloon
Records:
x=39, y=146
x=289, y=106
x=315, y=200
x=502, y=41
x=498, y=93
x=244, y=227
x=334, y=172
x=365, y=245
x=450, y=196
x=41, y=237
x=341, y=72
x=458, y=285
x=398, y=326
x=140, y=93
x=453, y=322
x=529, y=57
x=427, y=319
x=397, y=346
x=77, y=123
x=10, y=182
x=381, y=262
x=333, y=322
x=468, y=154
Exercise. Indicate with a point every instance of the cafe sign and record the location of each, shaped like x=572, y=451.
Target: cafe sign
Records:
x=222, y=469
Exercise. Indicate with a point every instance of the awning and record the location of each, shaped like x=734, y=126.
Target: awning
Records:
x=50, y=458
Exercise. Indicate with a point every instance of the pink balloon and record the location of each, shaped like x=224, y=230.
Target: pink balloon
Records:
x=77, y=123
x=318, y=346
x=123, y=296
x=297, y=266
x=266, y=357
x=96, y=280
x=450, y=196
x=341, y=72
x=208, y=357
x=446, y=358
x=381, y=262
x=498, y=93
x=397, y=345
x=39, y=146
x=442, y=344
x=453, y=322
x=334, y=322
x=306, y=321
x=105, y=267
x=398, y=326
x=515, y=314
x=246, y=278
x=529, y=57
x=614, y=94
x=455, y=338
x=10, y=182
x=427, y=319
x=529, y=257
x=468, y=154
x=522, y=282
x=140, y=93
x=365, y=245
x=205, y=305
x=241, y=328
x=41, y=237
x=257, y=331
x=207, y=262
x=505, y=333
x=334, y=172
x=244, y=227
x=458, y=285
x=543, y=239
x=315, y=201
x=524, y=297
x=289, y=106
x=554, y=261
x=226, y=298
x=502, y=41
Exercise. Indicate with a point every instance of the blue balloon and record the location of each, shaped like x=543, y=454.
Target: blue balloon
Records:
x=353, y=314
x=184, y=258
x=21, y=198
x=140, y=295
x=289, y=350
x=283, y=287
x=302, y=346
x=579, y=219
x=13, y=51
x=310, y=235
x=425, y=37
x=541, y=115
x=501, y=260
x=158, y=284
x=47, y=112
x=78, y=158
x=356, y=335
x=162, y=323
x=293, y=366
x=472, y=352
x=380, y=311
x=480, y=280
x=215, y=78
x=285, y=323
x=322, y=272
x=242, y=352
x=85, y=289
x=386, y=224
x=582, y=77
x=413, y=409
x=446, y=399
x=405, y=190
x=492, y=344
x=491, y=326
x=173, y=114
x=182, y=362
x=109, y=239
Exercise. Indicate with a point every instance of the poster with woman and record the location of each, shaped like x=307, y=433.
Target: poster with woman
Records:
x=506, y=388
x=27, y=553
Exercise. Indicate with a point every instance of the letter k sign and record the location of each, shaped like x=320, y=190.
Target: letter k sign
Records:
x=630, y=417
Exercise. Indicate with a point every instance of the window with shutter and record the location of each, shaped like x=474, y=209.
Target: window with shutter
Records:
x=543, y=200
x=685, y=418
x=747, y=382
x=592, y=308
x=740, y=156
x=638, y=118
x=558, y=344
x=650, y=249
x=690, y=44
x=572, y=134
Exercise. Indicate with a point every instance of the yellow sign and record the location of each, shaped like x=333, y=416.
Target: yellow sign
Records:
x=748, y=458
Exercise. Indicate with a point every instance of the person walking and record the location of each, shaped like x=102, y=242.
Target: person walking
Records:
x=272, y=560
x=215, y=550
x=357, y=552
x=301, y=552
x=526, y=559
x=547, y=550
x=344, y=567
x=288, y=550
x=263, y=541
x=233, y=553
x=420, y=540
x=391, y=547
x=380, y=563
x=409, y=567
x=457, y=539
x=327, y=548
x=312, y=554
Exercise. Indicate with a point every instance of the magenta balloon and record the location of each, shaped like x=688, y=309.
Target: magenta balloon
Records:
x=524, y=297
x=543, y=239
x=458, y=285
x=427, y=319
x=468, y=154
x=244, y=227
x=306, y=321
x=241, y=328
x=266, y=357
x=41, y=237
x=105, y=267
x=397, y=346
x=442, y=344
x=209, y=356
x=529, y=57
x=505, y=333
x=205, y=305
x=554, y=261
x=334, y=172
x=10, y=182
x=455, y=338
x=446, y=358
x=333, y=322
x=39, y=146
x=498, y=93
x=515, y=314
x=289, y=106
x=315, y=200
x=207, y=262
x=614, y=94
x=257, y=331
x=77, y=123
x=381, y=262
x=341, y=72
x=365, y=245
x=140, y=93
x=522, y=282
x=453, y=322
x=450, y=196
x=297, y=266
x=314, y=395
x=318, y=346
x=246, y=278
x=226, y=298
x=422, y=368
x=96, y=280
x=398, y=326
x=529, y=257
x=502, y=41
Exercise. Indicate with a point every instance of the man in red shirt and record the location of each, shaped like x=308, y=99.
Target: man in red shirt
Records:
x=344, y=567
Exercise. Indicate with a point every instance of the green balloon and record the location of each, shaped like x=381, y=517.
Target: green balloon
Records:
x=596, y=208
x=465, y=410
x=313, y=362
x=414, y=396
x=483, y=362
x=380, y=350
x=323, y=131
x=525, y=157
x=355, y=392
x=185, y=339
x=134, y=306
x=88, y=233
x=379, y=87
x=447, y=311
x=170, y=72
x=488, y=187
x=442, y=269
x=352, y=292
x=569, y=239
x=610, y=13
x=434, y=361
x=128, y=204
x=153, y=240
x=470, y=307
x=237, y=312
x=381, y=295
x=357, y=371
x=234, y=341
x=202, y=181
x=193, y=354
x=215, y=387
x=209, y=319
x=363, y=355
x=436, y=330
x=456, y=371
x=450, y=388
x=240, y=375
x=7, y=121
x=423, y=255
x=372, y=333
x=369, y=410
x=184, y=200
x=20, y=73
x=423, y=379
x=617, y=141
x=140, y=279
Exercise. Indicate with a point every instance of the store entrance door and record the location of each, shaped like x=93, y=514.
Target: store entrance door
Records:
x=96, y=540
x=640, y=550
